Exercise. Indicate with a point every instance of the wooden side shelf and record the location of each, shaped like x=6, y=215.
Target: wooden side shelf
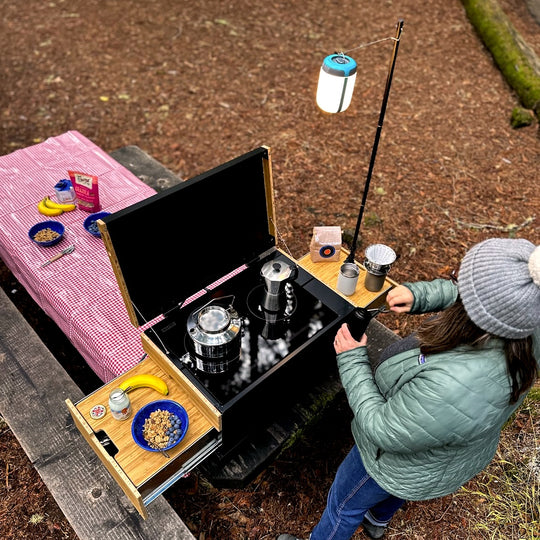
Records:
x=327, y=272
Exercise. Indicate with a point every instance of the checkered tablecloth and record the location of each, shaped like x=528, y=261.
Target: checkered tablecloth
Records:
x=79, y=291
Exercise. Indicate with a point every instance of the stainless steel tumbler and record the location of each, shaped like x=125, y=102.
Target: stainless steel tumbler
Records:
x=348, y=278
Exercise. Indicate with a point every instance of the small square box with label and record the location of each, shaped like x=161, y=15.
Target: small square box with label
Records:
x=325, y=244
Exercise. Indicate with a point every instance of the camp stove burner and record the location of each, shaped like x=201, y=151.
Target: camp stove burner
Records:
x=275, y=320
x=210, y=366
x=267, y=337
x=285, y=310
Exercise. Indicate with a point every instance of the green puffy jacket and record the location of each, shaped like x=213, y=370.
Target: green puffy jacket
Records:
x=424, y=427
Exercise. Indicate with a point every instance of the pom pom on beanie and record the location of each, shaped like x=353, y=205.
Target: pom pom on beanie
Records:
x=534, y=266
x=499, y=285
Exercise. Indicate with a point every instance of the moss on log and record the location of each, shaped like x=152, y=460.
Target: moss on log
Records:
x=515, y=58
x=521, y=117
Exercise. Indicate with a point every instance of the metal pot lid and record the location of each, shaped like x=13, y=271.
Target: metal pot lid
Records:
x=276, y=271
x=213, y=319
x=214, y=325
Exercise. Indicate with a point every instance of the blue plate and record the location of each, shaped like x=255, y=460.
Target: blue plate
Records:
x=165, y=405
x=91, y=226
x=55, y=226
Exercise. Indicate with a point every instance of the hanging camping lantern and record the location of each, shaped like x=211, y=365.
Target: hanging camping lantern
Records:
x=336, y=83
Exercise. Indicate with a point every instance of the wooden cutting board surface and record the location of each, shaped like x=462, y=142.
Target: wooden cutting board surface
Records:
x=137, y=463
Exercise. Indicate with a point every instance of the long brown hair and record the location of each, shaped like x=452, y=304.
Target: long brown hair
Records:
x=452, y=327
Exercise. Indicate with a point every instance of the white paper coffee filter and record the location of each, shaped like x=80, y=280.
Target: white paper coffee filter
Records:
x=380, y=254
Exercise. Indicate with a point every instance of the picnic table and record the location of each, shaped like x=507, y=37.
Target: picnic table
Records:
x=79, y=291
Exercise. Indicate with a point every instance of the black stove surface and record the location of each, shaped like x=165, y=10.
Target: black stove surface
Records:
x=267, y=338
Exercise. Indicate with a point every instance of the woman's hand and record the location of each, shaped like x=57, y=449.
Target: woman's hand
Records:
x=400, y=299
x=345, y=342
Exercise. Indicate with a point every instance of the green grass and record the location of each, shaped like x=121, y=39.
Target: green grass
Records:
x=508, y=491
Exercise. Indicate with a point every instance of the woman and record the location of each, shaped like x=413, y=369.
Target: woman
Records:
x=428, y=413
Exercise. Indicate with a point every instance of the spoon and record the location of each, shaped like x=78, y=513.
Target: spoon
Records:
x=65, y=251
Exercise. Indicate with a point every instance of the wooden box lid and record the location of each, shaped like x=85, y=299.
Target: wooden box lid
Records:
x=172, y=245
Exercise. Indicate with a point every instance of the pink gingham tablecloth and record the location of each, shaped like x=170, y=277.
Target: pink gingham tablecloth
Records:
x=79, y=291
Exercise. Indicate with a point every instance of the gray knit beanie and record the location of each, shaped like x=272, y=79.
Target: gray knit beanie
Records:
x=499, y=285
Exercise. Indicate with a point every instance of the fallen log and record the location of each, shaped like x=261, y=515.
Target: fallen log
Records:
x=517, y=61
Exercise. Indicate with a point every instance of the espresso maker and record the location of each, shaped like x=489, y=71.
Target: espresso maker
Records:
x=278, y=299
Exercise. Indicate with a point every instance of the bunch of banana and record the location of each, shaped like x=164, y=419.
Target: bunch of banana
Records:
x=48, y=207
x=145, y=380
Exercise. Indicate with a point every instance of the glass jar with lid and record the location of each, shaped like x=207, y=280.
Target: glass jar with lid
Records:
x=119, y=404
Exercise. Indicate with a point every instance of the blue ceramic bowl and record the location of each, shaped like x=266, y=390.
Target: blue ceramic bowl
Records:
x=137, y=424
x=90, y=223
x=55, y=226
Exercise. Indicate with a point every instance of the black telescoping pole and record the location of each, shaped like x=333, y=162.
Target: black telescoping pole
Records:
x=399, y=27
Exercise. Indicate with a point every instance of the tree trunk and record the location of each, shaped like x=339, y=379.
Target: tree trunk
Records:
x=515, y=58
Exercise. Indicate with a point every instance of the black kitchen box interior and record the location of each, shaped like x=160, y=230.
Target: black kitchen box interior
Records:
x=196, y=259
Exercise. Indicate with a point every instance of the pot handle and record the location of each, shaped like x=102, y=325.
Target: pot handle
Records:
x=214, y=300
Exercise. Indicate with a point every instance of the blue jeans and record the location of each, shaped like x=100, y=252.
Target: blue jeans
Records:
x=352, y=494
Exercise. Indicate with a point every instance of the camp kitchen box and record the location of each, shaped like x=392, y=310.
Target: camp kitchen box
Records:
x=202, y=247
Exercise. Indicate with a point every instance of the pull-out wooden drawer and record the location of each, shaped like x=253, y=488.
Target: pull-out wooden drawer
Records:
x=141, y=474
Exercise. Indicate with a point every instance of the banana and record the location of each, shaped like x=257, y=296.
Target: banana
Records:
x=49, y=203
x=46, y=211
x=150, y=381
